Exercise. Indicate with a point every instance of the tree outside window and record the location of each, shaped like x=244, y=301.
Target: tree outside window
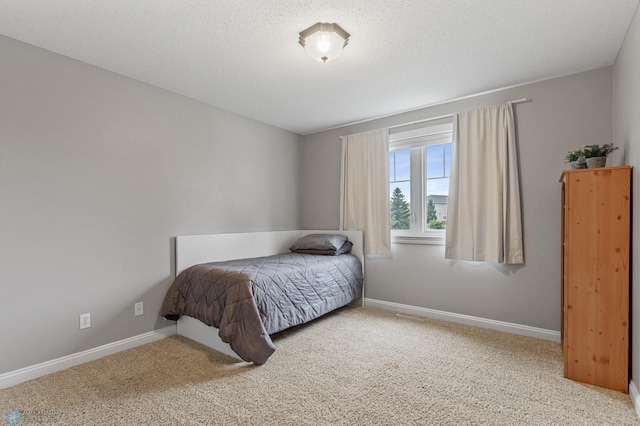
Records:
x=400, y=212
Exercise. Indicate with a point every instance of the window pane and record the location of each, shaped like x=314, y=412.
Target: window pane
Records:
x=400, y=207
x=392, y=166
x=438, y=186
x=447, y=159
x=435, y=161
x=402, y=165
x=436, y=203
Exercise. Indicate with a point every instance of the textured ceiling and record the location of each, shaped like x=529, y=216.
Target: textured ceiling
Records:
x=243, y=55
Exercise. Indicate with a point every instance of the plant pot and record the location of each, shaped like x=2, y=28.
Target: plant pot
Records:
x=578, y=165
x=595, y=162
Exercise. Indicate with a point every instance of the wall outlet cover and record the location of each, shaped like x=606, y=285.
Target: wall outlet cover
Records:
x=85, y=321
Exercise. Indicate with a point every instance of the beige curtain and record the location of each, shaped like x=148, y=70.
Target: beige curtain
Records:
x=484, y=215
x=365, y=189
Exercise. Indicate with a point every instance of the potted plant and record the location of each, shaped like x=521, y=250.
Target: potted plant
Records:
x=596, y=155
x=576, y=158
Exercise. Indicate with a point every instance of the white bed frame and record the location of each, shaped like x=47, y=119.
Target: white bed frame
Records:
x=194, y=249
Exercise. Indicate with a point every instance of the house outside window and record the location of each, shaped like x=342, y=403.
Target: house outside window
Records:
x=419, y=168
x=440, y=203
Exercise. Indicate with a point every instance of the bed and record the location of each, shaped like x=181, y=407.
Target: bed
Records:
x=232, y=291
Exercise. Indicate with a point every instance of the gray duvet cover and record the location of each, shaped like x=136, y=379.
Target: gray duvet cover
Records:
x=249, y=299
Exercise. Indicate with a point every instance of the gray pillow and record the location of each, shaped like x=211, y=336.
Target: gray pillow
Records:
x=322, y=244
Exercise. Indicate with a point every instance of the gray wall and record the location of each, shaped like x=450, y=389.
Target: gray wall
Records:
x=97, y=174
x=564, y=113
x=626, y=133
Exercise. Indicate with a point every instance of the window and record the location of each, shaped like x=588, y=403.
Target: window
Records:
x=419, y=169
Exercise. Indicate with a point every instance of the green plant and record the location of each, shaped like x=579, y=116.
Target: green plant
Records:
x=437, y=224
x=591, y=151
x=574, y=155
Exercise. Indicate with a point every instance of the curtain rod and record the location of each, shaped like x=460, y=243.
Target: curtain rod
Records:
x=516, y=101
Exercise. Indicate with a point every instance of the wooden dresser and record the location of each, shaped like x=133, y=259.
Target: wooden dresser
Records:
x=596, y=207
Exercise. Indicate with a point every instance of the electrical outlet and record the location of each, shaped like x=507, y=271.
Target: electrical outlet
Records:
x=85, y=321
x=138, y=309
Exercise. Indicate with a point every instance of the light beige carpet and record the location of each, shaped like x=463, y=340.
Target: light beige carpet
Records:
x=358, y=366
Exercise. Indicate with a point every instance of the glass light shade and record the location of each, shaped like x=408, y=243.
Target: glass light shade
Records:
x=324, y=42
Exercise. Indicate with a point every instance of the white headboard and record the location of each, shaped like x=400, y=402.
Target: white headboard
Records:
x=194, y=249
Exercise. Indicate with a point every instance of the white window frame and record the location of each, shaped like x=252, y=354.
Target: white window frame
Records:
x=416, y=139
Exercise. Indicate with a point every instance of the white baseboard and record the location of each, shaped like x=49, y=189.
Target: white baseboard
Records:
x=635, y=396
x=508, y=327
x=33, y=372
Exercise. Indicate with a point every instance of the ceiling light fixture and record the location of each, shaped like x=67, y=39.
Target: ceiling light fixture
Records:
x=323, y=41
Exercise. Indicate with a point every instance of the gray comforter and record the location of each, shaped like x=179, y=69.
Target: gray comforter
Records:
x=249, y=299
